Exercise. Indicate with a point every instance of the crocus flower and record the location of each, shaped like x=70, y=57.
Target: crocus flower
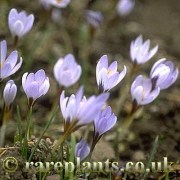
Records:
x=124, y=7
x=94, y=18
x=8, y=65
x=60, y=3
x=164, y=73
x=66, y=71
x=9, y=93
x=35, y=85
x=82, y=150
x=142, y=90
x=108, y=77
x=104, y=121
x=140, y=52
x=20, y=23
x=80, y=111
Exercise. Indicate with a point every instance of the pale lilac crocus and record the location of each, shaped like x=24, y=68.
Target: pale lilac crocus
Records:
x=104, y=121
x=8, y=65
x=140, y=51
x=60, y=3
x=143, y=91
x=164, y=73
x=19, y=22
x=9, y=93
x=94, y=18
x=78, y=111
x=66, y=71
x=35, y=85
x=108, y=77
x=82, y=150
x=124, y=7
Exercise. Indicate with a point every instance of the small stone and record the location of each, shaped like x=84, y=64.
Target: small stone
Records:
x=102, y=151
x=138, y=156
x=49, y=141
x=53, y=177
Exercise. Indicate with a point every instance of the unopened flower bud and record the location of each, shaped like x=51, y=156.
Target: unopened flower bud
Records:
x=10, y=91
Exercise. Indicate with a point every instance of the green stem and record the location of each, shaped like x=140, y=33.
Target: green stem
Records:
x=123, y=93
x=72, y=154
x=67, y=40
x=123, y=130
x=66, y=134
x=16, y=39
x=2, y=135
x=96, y=138
x=151, y=157
x=130, y=118
x=45, y=129
x=6, y=112
x=27, y=133
x=19, y=124
x=28, y=127
x=58, y=92
x=62, y=156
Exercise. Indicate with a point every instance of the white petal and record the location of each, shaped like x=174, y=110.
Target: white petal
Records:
x=32, y=90
x=12, y=58
x=137, y=94
x=16, y=68
x=24, y=80
x=5, y=71
x=40, y=76
x=113, y=67
x=30, y=21
x=63, y=104
x=3, y=52
x=18, y=28
x=57, y=69
x=44, y=87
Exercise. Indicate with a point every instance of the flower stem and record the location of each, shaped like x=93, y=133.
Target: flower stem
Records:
x=28, y=126
x=123, y=93
x=16, y=39
x=124, y=127
x=5, y=117
x=130, y=118
x=66, y=134
x=27, y=133
x=96, y=138
x=44, y=131
x=58, y=91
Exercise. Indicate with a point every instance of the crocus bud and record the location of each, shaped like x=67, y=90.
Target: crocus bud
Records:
x=35, y=85
x=66, y=71
x=60, y=3
x=164, y=73
x=143, y=91
x=124, y=7
x=82, y=150
x=140, y=51
x=104, y=121
x=9, y=93
x=8, y=65
x=20, y=23
x=108, y=77
x=94, y=18
x=80, y=111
